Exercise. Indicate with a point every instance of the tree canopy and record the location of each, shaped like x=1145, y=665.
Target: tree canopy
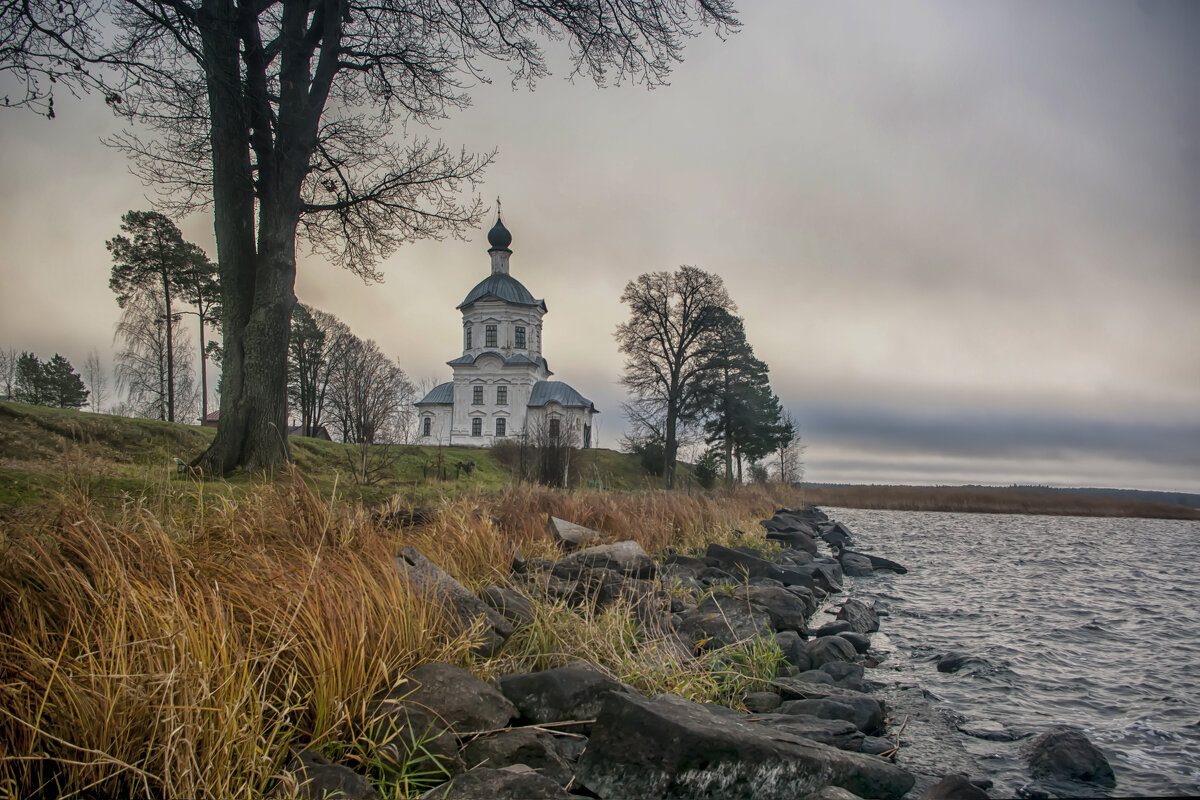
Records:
x=50, y=383
x=278, y=114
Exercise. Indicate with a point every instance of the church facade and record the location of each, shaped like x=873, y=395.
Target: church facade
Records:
x=501, y=387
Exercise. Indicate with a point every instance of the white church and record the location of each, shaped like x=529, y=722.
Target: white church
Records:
x=501, y=387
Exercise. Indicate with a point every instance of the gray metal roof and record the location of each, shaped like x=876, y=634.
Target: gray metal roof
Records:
x=518, y=359
x=557, y=392
x=442, y=394
x=502, y=287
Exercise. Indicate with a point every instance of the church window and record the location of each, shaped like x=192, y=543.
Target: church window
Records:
x=468, y=338
x=521, y=337
x=427, y=427
x=489, y=335
x=501, y=426
x=476, y=395
x=554, y=428
x=477, y=427
x=501, y=395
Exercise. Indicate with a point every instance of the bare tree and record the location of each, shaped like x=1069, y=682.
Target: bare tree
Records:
x=791, y=451
x=277, y=112
x=317, y=342
x=142, y=363
x=366, y=395
x=8, y=370
x=672, y=316
x=97, y=380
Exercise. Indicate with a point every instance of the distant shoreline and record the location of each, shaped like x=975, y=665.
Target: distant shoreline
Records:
x=986, y=500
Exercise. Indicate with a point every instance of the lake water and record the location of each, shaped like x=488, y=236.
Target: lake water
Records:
x=1090, y=622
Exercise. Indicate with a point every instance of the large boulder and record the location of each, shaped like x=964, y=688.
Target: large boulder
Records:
x=563, y=694
x=955, y=786
x=829, y=648
x=463, y=702
x=722, y=620
x=569, y=535
x=528, y=746
x=862, y=617
x=795, y=538
x=1065, y=753
x=862, y=710
x=464, y=609
x=878, y=562
x=627, y=558
x=793, y=649
x=513, y=606
x=509, y=783
x=311, y=776
x=835, y=534
x=838, y=733
x=788, y=610
x=856, y=565
x=668, y=747
x=744, y=565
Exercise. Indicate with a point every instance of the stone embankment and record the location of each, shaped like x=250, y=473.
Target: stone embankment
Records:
x=815, y=731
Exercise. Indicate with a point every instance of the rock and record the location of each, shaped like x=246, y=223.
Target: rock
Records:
x=670, y=747
x=854, y=564
x=876, y=745
x=956, y=660
x=744, y=565
x=533, y=748
x=562, y=694
x=990, y=730
x=761, y=702
x=511, y=605
x=878, y=562
x=693, y=565
x=862, y=617
x=678, y=576
x=463, y=702
x=1065, y=753
x=861, y=642
x=722, y=620
x=406, y=735
x=627, y=558
x=464, y=608
x=836, y=534
x=829, y=648
x=794, y=538
x=955, y=787
x=793, y=649
x=863, y=711
x=793, y=556
x=511, y=783
x=787, y=610
x=814, y=676
x=570, y=535
x=837, y=733
x=844, y=674
x=317, y=778
x=831, y=793
x=832, y=628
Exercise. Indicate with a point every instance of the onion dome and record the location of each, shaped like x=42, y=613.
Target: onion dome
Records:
x=499, y=237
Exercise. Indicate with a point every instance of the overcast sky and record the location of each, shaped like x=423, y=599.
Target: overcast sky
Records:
x=964, y=236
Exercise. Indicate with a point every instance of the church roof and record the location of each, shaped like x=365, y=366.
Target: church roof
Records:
x=557, y=392
x=502, y=287
x=442, y=394
x=519, y=359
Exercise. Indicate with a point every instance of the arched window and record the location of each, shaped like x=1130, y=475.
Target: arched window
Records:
x=427, y=427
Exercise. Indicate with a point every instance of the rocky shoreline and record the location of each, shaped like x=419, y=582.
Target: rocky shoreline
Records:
x=828, y=725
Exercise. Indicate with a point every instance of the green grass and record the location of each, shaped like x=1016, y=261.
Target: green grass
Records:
x=46, y=450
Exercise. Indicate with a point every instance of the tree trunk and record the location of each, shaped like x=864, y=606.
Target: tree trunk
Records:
x=203, y=374
x=243, y=438
x=170, y=349
x=670, y=447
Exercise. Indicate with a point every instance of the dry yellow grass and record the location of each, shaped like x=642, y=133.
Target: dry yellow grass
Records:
x=184, y=650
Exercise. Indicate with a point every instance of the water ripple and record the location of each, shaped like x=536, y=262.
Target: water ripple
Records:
x=1082, y=621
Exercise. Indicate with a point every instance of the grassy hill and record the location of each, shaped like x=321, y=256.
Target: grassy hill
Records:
x=43, y=450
